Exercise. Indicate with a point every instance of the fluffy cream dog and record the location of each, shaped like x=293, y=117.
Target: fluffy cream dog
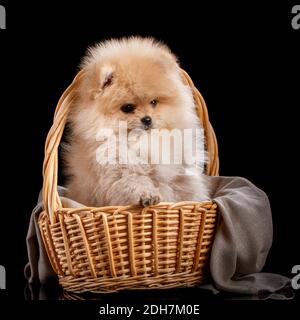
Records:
x=137, y=82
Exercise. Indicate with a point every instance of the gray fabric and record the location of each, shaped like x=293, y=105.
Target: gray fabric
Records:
x=38, y=267
x=242, y=242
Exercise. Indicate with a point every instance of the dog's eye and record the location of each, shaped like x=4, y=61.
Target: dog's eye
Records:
x=153, y=103
x=128, y=108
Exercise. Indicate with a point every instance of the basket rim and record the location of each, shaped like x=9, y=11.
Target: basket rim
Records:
x=125, y=210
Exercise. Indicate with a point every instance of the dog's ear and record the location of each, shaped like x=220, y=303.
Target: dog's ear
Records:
x=98, y=79
x=106, y=76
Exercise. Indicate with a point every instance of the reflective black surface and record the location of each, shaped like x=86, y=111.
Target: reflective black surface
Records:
x=181, y=295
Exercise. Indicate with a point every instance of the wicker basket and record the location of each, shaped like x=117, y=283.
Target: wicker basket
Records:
x=126, y=247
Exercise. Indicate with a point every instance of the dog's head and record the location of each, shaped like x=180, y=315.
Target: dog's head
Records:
x=137, y=80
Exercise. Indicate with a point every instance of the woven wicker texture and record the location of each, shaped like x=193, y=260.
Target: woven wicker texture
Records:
x=126, y=247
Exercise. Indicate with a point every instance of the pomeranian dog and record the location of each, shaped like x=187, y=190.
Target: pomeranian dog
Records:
x=134, y=84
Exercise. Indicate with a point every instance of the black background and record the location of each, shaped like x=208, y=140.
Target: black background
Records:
x=244, y=59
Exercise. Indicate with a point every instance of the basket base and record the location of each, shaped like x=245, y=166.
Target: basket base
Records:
x=166, y=281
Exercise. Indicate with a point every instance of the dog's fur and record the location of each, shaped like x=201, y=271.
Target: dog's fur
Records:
x=118, y=72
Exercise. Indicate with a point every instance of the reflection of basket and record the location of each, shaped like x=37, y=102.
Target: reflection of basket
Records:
x=125, y=247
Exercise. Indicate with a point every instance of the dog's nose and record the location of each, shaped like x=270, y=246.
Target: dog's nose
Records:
x=146, y=121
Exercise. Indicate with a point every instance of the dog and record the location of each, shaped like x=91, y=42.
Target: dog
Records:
x=136, y=82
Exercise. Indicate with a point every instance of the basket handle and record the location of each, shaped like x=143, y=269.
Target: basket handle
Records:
x=211, y=144
x=51, y=199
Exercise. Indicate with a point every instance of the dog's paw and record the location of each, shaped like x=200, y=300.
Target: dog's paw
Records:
x=147, y=200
